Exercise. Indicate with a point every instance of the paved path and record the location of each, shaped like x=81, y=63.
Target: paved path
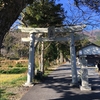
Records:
x=57, y=87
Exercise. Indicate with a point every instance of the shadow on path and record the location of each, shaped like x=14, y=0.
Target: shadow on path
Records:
x=57, y=87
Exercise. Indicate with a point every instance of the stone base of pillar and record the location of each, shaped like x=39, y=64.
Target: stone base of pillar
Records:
x=74, y=85
x=28, y=84
x=85, y=88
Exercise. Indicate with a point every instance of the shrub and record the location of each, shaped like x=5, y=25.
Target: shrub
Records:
x=19, y=65
x=13, y=58
x=46, y=64
x=39, y=75
x=3, y=71
x=17, y=70
x=10, y=66
x=14, y=71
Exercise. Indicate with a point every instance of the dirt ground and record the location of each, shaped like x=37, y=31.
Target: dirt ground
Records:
x=17, y=92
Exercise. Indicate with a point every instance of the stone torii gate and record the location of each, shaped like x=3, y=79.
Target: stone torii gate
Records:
x=51, y=37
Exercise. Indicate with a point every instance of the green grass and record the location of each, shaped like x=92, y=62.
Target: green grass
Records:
x=14, y=70
x=4, y=93
x=17, y=81
x=19, y=65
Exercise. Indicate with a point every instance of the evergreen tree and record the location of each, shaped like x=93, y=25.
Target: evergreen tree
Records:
x=44, y=13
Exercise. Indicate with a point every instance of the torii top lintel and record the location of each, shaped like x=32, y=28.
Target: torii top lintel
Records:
x=69, y=29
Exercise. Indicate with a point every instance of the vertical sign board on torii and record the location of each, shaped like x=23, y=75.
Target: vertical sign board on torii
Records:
x=51, y=36
x=51, y=32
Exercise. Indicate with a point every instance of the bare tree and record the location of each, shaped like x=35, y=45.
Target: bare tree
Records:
x=92, y=4
x=82, y=15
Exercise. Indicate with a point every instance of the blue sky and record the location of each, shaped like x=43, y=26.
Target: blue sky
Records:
x=76, y=16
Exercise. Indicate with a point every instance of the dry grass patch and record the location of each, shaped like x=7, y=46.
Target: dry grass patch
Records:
x=11, y=86
x=9, y=77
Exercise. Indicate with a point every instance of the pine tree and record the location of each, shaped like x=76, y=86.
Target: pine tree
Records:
x=44, y=13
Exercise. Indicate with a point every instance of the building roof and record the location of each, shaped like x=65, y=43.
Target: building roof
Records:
x=91, y=49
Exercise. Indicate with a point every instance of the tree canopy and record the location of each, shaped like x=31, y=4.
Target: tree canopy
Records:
x=44, y=13
x=9, y=13
x=11, y=9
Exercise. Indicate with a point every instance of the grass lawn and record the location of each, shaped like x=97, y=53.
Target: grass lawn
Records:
x=9, y=77
x=11, y=86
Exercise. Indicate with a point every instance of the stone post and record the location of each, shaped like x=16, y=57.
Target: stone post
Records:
x=31, y=64
x=84, y=76
x=73, y=60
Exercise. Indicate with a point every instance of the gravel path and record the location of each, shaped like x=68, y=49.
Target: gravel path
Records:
x=57, y=87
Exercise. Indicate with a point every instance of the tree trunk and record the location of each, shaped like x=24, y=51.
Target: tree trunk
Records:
x=42, y=57
x=39, y=56
x=61, y=57
x=8, y=15
x=57, y=61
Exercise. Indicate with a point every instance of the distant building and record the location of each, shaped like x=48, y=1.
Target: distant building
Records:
x=91, y=52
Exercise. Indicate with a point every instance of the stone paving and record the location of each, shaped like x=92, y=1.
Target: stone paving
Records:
x=57, y=87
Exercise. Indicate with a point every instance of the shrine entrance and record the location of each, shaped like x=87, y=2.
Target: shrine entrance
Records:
x=51, y=37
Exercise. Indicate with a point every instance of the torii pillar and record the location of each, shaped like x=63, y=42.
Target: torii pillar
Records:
x=31, y=63
x=73, y=60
